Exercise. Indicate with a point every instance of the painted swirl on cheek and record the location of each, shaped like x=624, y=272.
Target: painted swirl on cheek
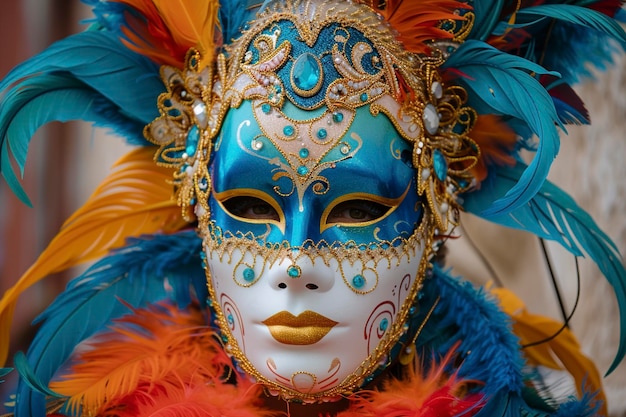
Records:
x=233, y=318
x=378, y=322
x=403, y=288
x=384, y=314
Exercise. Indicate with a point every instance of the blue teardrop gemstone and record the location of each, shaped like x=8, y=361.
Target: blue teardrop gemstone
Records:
x=193, y=136
x=440, y=165
x=306, y=75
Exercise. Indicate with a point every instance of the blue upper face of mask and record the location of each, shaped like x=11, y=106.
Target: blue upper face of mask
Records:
x=305, y=186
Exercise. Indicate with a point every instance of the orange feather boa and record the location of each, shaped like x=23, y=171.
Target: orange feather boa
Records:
x=165, y=362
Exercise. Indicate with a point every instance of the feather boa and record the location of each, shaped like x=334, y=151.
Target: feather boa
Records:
x=162, y=361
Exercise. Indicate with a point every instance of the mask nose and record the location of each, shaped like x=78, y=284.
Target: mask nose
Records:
x=302, y=276
x=299, y=230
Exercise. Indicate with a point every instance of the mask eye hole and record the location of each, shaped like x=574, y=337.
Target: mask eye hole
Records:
x=356, y=211
x=252, y=208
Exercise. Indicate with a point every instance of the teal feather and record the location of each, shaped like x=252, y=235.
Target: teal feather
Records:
x=554, y=215
x=577, y=15
x=147, y=270
x=27, y=375
x=4, y=372
x=504, y=84
x=233, y=15
x=39, y=104
x=487, y=15
x=77, y=78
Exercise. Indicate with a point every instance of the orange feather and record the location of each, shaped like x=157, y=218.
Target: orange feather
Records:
x=417, y=22
x=560, y=352
x=135, y=199
x=171, y=28
x=159, y=361
x=496, y=141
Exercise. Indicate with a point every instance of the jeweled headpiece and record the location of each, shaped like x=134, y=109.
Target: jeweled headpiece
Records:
x=336, y=56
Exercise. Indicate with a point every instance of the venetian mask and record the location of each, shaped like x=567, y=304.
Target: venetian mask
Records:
x=317, y=189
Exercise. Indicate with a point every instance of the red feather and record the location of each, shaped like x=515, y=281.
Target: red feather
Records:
x=164, y=30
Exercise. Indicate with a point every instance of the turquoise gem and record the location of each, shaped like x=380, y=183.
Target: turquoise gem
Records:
x=288, y=130
x=293, y=271
x=364, y=97
x=306, y=74
x=322, y=133
x=358, y=281
x=440, y=165
x=248, y=275
x=337, y=117
x=304, y=153
x=230, y=319
x=193, y=136
x=302, y=170
x=266, y=108
x=384, y=324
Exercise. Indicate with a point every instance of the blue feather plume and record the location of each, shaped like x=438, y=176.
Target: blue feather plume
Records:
x=496, y=359
x=487, y=16
x=489, y=352
x=554, y=215
x=504, y=84
x=89, y=76
x=147, y=270
x=108, y=15
x=570, y=38
x=233, y=14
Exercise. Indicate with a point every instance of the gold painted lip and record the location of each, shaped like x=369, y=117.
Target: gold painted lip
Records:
x=307, y=328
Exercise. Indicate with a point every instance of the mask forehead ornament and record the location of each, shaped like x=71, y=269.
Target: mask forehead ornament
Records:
x=304, y=71
x=407, y=87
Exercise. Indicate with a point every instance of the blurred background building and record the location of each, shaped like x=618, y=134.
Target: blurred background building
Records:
x=67, y=161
